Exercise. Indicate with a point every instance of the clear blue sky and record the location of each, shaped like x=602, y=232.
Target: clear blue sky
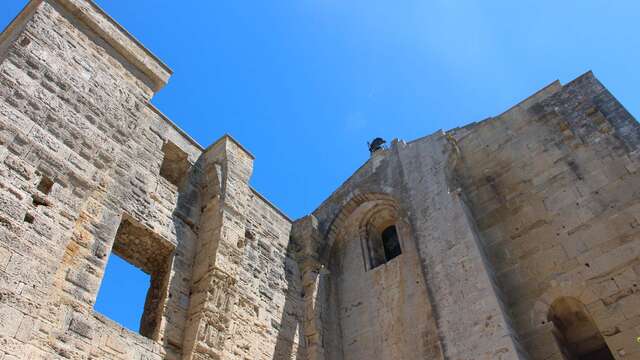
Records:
x=122, y=293
x=303, y=84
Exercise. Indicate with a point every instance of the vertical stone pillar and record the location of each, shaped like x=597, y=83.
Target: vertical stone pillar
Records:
x=305, y=232
x=472, y=322
x=311, y=270
x=225, y=189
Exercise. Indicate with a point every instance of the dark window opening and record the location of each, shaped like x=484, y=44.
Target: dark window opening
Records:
x=39, y=200
x=600, y=354
x=390, y=243
x=382, y=246
x=577, y=334
x=45, y=185
x=175, y=164
x=375, y=247
x=144, y=258
x=28, y=218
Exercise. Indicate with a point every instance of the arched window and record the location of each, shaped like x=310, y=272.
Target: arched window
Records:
x=576, y=332
x=382, y=245
x=379, y=235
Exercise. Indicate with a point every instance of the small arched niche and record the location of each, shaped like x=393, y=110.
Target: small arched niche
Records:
x=379, y=236
x=576, y=332
x=383, y=313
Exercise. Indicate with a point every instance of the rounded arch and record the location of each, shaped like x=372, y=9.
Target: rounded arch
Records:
x=568, y=289
x=577, y=335
x=381, y=215
x=377, y=230
x=389, y=291
x=355, y=201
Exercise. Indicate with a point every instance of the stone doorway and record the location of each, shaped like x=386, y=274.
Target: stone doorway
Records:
x=576, y=332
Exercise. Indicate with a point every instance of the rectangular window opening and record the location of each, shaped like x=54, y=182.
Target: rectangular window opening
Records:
x=45, y=185
x=391, y=243
x=134, y=287
x=122, y=293
x=382, y=246
x=28, y=218
x=175, y=164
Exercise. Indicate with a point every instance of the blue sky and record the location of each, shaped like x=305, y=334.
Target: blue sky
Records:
x=304, y=84
x=123, y=292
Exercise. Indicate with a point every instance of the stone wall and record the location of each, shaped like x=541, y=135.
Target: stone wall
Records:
x=514, y=220
x=380, y=311
x=87, y=164
x=269, y=322
x=509, y=229
x=554, y=186
x=445, y=284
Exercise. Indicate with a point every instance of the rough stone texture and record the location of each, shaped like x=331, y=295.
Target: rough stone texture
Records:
x=512, y=230
x=557, y=204
x=88, y=166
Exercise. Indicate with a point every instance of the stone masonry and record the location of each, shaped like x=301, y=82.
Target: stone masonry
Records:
x=517, y=237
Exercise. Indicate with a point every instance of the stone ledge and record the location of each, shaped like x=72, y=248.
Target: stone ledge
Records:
x=233, y=140
x=175, y=126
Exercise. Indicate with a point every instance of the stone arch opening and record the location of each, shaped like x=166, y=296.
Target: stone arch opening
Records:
x=371, y=230
x=576, y=332
x=355, y=202
x=379, y=235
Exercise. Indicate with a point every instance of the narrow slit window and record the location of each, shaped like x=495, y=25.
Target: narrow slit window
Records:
x=45, y=185
x=381, y=246
x=390, y=243
x=136, y=278
x=28, y=218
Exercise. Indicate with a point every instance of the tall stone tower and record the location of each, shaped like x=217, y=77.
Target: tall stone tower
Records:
x=517, y=237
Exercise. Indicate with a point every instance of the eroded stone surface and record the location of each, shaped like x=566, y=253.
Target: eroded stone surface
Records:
x=509, y=228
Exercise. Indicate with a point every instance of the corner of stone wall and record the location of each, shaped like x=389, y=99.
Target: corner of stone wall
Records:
x=89, y=13
x=15, y=28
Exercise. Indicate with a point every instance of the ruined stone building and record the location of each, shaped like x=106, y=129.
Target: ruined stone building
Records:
x=517, y=237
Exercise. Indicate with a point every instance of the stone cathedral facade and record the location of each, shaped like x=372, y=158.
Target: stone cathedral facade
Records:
x=517, y=237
